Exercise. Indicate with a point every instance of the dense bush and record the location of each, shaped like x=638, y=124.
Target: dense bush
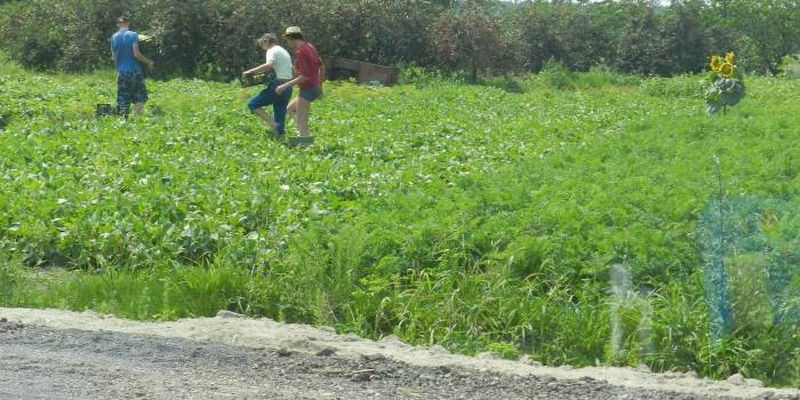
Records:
x=577, y=36
x=763, y=32
x=632, y=37
x=395, y=32
x=469, y=39
x=215, y=38
x=684, y=40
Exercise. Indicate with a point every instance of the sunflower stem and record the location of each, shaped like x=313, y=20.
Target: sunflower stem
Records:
x=720, y=275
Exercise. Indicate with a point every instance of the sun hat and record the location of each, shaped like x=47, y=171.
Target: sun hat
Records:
x=294, y=30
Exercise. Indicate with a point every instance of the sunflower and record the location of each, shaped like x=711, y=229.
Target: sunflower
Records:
x=726, y=70
x=729, y=57
x=716, y=63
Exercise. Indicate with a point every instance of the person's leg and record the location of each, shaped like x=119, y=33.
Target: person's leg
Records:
x=256, y=106
x=139, y=95
x=292, y=110
x=123, y=93
x=279, y=108
x=303, y=111
x=260, y=113
x=303, y=108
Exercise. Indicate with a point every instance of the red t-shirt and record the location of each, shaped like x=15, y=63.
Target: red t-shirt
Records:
x=309, y=64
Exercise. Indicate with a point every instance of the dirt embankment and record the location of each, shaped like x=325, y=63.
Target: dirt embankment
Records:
x=58, y=354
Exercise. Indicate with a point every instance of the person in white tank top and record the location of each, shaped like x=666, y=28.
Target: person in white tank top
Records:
x=279, y=61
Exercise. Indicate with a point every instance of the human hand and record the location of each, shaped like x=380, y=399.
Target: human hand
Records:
x=280, y=89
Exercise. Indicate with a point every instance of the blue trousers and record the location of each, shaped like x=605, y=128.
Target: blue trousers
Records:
x=278, y=102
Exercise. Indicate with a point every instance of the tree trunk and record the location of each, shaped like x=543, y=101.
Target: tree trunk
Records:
x=474, y=72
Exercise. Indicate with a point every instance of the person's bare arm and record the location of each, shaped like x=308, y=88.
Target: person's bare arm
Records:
x=261, y=68
x=294, y=82
x=139, y=56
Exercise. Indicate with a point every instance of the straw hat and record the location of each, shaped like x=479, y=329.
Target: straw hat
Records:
x=294, y=30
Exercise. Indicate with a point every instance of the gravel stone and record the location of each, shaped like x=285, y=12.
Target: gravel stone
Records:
x=47, y=363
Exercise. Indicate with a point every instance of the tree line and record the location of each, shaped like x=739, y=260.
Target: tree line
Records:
x=215, y=39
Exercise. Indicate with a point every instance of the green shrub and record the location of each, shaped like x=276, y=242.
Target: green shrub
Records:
x=603, y=76
x=557, y=76
x=790, y=67
x=684, y=86
x=419, y=76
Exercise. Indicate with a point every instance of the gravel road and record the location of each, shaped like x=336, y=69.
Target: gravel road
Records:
x=39, y=362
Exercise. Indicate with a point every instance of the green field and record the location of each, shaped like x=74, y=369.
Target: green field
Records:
x=467, y=216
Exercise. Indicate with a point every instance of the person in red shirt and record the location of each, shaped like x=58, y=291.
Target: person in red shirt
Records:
x=309, y=72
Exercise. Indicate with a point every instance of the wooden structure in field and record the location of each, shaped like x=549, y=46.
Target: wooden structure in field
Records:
x=342, y=68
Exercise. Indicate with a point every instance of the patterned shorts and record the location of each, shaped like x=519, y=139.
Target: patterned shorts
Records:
x=130, y=89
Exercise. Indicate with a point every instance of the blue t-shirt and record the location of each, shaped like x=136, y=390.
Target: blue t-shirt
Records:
x=122, y=46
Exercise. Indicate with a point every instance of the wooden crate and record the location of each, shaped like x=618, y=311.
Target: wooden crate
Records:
x=262, y=79
x=342, y=68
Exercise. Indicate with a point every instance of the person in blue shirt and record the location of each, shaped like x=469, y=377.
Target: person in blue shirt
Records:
x=131, y=88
